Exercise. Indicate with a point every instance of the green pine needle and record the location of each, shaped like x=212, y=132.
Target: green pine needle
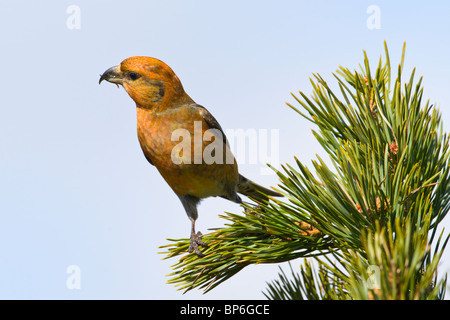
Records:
x=376, y=207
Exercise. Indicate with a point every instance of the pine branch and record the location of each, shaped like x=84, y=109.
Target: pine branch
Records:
x=390, y=269
x=256, y=237
x=389, y=178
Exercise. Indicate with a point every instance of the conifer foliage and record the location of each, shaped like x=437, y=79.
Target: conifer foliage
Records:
x=367, y=225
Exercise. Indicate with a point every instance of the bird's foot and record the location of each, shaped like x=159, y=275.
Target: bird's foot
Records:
x=195, y=242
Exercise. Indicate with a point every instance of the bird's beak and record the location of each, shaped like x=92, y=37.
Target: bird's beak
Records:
x=112, y=75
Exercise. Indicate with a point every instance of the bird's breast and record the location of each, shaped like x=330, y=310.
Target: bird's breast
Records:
x=175, y=142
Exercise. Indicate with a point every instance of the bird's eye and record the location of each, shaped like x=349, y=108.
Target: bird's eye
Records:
x=133, y=75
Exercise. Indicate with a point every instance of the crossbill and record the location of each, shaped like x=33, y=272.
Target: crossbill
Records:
x=163, y=107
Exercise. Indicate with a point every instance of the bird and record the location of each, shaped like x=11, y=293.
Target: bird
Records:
x=164, y=108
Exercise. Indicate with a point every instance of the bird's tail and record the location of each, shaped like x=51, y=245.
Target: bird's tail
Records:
x=255, y=191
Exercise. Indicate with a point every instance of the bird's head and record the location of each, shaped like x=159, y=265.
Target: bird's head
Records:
x=150, y=82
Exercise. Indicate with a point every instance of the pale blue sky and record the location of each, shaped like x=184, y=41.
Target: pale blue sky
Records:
x=75, y=188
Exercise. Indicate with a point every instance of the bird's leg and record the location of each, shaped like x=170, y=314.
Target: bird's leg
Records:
x=190, y=205
x=196, y=241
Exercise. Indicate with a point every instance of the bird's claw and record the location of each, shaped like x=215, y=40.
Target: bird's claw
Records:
x=195, y=242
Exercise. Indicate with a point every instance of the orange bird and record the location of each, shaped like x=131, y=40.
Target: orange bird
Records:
x=195, y=168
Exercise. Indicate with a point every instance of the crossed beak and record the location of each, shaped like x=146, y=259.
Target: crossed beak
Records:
x=112, y=75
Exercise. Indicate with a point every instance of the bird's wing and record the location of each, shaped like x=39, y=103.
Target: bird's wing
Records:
x=142, y=148
x=210, y=120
